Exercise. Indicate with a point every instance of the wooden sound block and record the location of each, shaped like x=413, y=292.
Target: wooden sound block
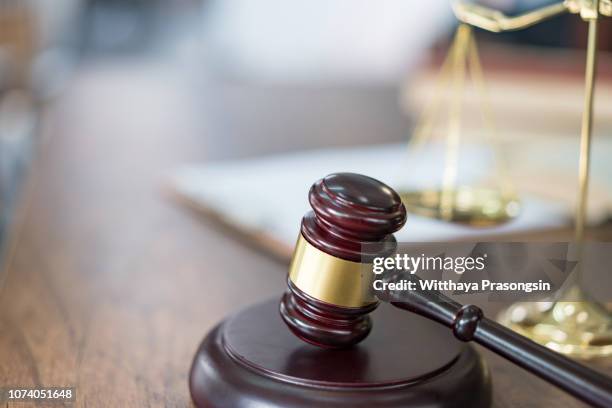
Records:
x=252, y=359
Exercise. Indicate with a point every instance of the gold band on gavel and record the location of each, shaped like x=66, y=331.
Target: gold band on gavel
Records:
x=331, y=279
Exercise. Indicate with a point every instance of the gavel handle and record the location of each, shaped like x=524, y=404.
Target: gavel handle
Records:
x=468, y=323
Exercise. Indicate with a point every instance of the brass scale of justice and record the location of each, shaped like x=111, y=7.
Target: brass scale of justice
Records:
x=576, y=325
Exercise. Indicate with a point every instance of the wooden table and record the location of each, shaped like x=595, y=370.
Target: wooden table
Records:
x=110, y=285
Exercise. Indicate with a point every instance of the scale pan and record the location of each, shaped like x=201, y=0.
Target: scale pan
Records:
x=474, y=206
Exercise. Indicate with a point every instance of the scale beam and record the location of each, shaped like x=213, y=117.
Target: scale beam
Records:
x=497, y=22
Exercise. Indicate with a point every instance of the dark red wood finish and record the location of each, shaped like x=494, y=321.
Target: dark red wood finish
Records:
x=323, y=324
x=251, y=359
x=349, y=210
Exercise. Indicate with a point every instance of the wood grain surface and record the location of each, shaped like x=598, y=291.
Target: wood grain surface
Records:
x=108, y=285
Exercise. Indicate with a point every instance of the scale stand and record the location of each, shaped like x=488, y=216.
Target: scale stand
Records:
x=576, y=325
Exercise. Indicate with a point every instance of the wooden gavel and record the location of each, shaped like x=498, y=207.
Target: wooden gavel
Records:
x=329, y=296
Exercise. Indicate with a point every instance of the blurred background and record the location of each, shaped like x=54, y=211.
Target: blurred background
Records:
x=256, y=77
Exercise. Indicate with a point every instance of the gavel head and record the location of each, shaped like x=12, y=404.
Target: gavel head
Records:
x=329, y=292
